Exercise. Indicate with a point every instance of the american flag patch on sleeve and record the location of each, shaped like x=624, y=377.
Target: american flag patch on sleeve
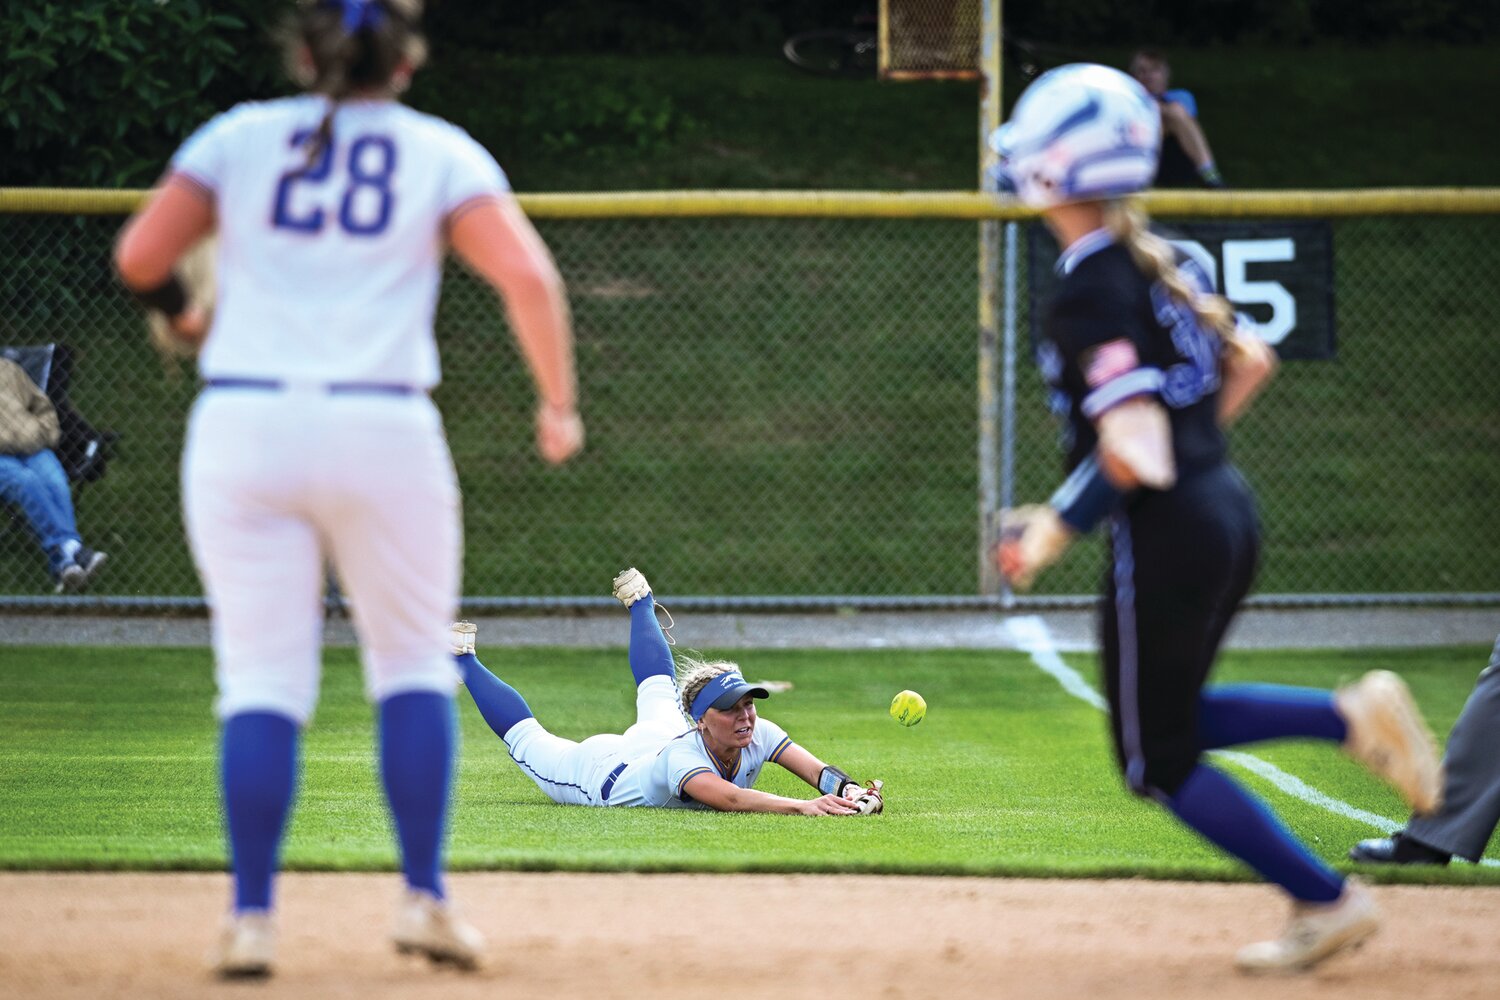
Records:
x=1109, y=361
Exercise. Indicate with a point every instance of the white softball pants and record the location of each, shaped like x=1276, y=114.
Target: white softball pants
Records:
x=572, y=773
x=275, y=484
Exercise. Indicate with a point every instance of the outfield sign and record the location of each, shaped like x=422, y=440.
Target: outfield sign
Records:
x=1277, y=275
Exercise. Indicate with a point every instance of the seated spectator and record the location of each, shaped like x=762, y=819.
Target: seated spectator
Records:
x=1186, y=160
x=32, y=478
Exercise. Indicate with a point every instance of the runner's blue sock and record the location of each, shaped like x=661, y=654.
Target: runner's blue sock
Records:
x=649, y=653
x=500, y=704
x=416, y=764
x=1227, y=815
x=1234, y=714
x=258, y=773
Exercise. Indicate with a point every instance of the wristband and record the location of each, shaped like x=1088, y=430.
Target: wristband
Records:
x=832, y=781
x=1085, y=497
x=168, y=298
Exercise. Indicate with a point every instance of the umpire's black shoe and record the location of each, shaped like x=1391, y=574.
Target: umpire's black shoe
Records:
x=1397, y=849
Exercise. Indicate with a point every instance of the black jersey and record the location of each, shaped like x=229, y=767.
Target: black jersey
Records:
x=1112, y=334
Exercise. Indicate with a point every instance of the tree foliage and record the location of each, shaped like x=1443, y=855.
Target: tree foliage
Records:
x=99, y=92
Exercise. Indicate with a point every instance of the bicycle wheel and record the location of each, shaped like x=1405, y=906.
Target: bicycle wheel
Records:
x=837, y=52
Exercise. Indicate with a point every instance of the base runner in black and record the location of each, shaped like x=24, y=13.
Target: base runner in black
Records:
x=1146, y=368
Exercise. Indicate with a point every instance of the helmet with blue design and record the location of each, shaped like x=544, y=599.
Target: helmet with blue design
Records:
x=1078, y=133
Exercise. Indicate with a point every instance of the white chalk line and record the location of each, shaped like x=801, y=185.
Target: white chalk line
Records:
x=1031, y=636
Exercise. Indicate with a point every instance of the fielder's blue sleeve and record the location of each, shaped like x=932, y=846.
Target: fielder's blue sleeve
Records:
x=501, y=705
x=1231, y=818
x=1232, y=715
x=416, y=765
x=258, y=772
x=649, y=652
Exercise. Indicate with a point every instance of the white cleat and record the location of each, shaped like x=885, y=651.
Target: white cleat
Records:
x=247, y=946
x=1388, y=736
x=1315, y=933
x=426, y=925
x=631, y=586
x=462, y=637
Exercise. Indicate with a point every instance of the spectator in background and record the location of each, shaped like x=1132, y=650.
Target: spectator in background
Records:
x=1186, y=160
x=32, y=478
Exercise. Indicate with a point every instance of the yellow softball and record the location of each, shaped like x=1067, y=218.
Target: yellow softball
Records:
x=908, y=708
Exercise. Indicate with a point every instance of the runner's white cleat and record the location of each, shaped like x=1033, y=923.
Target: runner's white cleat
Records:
x=247, y=946
x=631, y=586
x=1388, y=736
x=1315, y=933
x=462, y=637
x=426, y=925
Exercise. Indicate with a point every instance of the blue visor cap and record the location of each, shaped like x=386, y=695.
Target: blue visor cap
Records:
x=723, y=692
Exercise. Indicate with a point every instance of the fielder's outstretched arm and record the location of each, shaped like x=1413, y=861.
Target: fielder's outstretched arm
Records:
x=725, y=796
x=496, y=240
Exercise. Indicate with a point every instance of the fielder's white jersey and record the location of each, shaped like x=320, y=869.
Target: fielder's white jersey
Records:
x=647, y=765
x=330, y=272
x=659, y=781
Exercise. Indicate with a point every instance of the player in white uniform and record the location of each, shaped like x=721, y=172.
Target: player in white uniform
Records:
x=314, y=438
x=662, y=760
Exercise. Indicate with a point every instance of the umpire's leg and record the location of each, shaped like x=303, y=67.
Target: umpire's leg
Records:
x=1471, y=790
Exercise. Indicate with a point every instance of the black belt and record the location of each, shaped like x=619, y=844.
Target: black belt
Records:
x=332, y=388
x=609, y=782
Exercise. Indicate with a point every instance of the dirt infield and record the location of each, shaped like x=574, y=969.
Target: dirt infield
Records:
x=570, y=935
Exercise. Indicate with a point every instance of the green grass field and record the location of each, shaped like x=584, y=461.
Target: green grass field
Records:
x=107, y=761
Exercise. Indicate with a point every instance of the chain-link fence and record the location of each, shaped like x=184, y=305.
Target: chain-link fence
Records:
x=930, y=39
x=786, y=408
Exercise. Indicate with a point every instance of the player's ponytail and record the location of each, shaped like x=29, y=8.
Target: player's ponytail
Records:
x=352, y=46
x=1154, y=256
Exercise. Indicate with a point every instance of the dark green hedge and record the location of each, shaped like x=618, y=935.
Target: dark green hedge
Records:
x=98, y=92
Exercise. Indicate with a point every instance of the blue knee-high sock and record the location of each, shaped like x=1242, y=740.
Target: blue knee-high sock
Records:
x=1227, y=815
x=500, y=704
x=258, y=773
x=416, y=764
x=1234, y=714
x=649, y=653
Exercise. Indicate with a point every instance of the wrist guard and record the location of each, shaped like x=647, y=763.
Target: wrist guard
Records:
x=1085, y=497
x=832, y=781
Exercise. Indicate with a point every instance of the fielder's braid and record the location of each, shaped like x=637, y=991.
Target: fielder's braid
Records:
x=1154, y=256
x=346, y=61
x=693, y=673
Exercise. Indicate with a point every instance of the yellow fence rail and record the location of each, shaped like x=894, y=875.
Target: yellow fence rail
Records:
x=876, y=204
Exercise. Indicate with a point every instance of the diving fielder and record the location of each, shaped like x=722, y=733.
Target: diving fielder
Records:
x=662, y=760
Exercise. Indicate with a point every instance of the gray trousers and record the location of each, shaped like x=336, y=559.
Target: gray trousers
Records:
x=1471, y=794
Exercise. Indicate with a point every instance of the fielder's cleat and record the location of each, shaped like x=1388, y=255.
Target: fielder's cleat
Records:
x=462, y=637
x=631, y=586
x=426, y=925
x=1387, y=735
x=247, y=947
x=1315, y=933
x=1397, y=849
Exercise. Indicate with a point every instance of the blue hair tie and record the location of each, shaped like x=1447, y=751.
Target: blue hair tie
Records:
x=358, y=14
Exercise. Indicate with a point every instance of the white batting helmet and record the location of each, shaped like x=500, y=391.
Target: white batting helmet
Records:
x=1079, y=132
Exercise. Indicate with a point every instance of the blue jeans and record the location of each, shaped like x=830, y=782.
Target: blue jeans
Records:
x=37, y=484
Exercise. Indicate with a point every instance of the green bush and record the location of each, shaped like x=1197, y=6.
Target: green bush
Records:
x=99, y=92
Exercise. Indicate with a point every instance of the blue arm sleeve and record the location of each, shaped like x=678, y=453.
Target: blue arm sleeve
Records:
x=1085, y=497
